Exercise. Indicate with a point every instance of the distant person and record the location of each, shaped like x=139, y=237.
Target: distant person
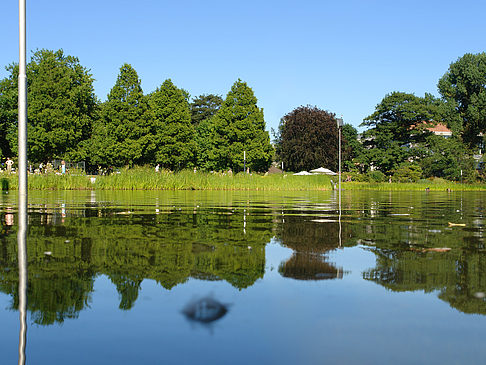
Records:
x=63, y=167
x=9, y=164
x=157, y=168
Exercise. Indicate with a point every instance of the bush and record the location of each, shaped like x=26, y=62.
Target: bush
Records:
x=407, y=173
x=356, y=176
x=376, y=176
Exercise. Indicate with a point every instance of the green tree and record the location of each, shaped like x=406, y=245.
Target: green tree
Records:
x=174, y=133
x=8, y=110
x=445, y=158
x=307, y=139
x=463, y=86
x=206, y=144
x=239, y=126
x=398, y=124
x=352, y=149
x=204, y=107
x=61, y=101
x=122, y=135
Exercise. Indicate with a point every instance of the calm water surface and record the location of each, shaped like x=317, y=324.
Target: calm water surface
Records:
x=246, y=277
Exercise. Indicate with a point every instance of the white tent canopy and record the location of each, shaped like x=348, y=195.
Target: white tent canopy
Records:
x=322, y=170
x=303, y=173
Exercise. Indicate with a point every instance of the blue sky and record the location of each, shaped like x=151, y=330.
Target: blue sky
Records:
x=342, y=56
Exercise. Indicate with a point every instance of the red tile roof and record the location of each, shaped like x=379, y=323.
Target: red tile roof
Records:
x=439, y=128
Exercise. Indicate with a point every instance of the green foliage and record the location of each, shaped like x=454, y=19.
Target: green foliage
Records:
x=376, y=176
x=8, y=110
x=122, y=135
x=238, y=126
x=308, y=139
x=204, y=107
x=463, y=86
x=174, y=135
x=407, y=172
x=352, y=149
x=396, y=125
x=61, y=106
x=445, y=158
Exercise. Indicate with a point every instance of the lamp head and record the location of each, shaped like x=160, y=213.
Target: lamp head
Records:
x=339, y=122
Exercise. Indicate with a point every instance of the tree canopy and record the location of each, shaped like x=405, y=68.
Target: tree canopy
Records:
x=61, y=101
x=122, y=135
x=399, y=122
x=204, y=107
x=238, y=126
x=308, y=139
x=175, y=146
x=463, y=86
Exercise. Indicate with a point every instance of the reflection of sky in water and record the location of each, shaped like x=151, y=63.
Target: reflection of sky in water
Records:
x=274, y=320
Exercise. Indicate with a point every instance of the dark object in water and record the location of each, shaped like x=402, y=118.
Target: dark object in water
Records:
x=205, y=310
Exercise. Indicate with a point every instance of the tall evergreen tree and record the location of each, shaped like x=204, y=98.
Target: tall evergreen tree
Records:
x=174, y=134
x=62, y=104
x=122, y=134
x=204, y=107
x=239, y=126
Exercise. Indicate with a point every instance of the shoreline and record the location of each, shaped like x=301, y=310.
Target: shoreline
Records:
x=147, y=179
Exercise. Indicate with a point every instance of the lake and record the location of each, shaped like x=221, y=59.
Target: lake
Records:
x=247, y=277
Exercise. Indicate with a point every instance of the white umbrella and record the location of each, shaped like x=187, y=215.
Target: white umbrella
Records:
x=303, y=173
x=322, y=170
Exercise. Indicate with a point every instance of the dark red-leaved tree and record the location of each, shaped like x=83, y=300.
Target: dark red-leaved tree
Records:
x=308, y=139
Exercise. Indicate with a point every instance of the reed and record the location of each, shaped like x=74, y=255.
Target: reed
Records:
x=144, y=178
x=420, y=186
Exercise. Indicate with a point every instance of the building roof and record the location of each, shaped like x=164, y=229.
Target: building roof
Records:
x=439, y=128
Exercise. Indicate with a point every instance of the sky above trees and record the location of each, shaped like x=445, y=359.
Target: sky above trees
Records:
x=340, y=56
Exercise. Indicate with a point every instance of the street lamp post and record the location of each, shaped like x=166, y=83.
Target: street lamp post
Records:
x=339, y=122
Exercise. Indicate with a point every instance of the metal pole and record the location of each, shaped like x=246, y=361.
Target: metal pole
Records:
x=22, y=101
x=339, y=160
x=244, y=161
x=22, y=174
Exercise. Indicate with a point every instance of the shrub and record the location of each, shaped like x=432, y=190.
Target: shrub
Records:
x=408, y=172
x=376, y=176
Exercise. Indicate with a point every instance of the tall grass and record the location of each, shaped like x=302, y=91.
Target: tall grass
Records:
x=432, y=186
x=142, y=178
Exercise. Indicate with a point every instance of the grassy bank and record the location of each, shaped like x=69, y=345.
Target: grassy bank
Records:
x=147, y=179
x=443, y=186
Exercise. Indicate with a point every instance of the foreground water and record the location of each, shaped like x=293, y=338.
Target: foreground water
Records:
x=246, y=277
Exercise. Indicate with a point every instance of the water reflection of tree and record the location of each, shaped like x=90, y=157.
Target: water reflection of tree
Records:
x=409, y=234
x=311, y=241
x=168, y=248
x=458, y=275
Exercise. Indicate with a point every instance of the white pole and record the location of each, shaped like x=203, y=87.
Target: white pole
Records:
x=339, y=160
x=22, y=174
